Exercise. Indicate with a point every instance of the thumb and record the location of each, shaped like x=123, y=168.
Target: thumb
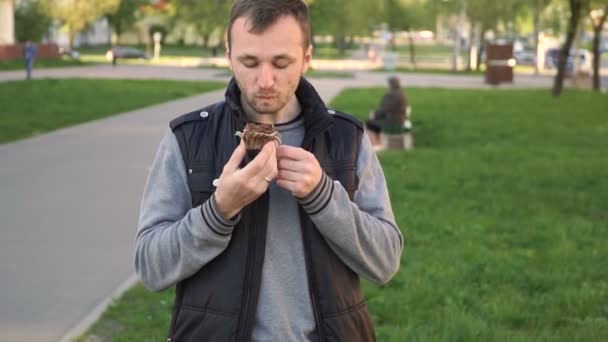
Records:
x=237, y=157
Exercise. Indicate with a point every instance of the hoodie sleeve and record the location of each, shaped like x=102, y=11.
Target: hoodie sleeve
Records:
x=363, y=232
x=173, y=239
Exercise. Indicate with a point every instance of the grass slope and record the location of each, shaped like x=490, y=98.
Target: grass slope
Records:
x=39, y=106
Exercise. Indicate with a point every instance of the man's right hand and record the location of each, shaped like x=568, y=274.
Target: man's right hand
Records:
x=239, y=187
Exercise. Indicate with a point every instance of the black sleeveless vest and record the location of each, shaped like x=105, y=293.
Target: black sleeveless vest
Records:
x=218, y=303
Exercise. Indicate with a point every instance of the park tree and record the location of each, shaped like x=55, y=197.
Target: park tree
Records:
x=577, y=8
x=77, y=15
x=597, y=15
x=538, y=7
x=31, y=23
x=496, y=16
x=343, y=19
x=207, y=17
x=125, y=16
x=408, y=15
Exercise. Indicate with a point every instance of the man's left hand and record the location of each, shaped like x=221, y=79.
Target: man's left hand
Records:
x=299, y=170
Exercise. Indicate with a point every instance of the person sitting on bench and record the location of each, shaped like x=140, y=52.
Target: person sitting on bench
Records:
x=391, y=114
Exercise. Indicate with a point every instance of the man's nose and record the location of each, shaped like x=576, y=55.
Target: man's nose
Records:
x=266, y=77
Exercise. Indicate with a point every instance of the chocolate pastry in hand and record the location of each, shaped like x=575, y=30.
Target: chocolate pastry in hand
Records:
x=256, y=135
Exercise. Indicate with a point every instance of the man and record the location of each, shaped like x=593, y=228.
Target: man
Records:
x=392, y=114
x=269, y=249
x=29, y=54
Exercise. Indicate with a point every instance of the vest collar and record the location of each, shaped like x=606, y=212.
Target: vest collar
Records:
x=316, y=117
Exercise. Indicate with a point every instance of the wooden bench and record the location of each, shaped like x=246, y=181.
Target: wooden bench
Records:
x=397, y=141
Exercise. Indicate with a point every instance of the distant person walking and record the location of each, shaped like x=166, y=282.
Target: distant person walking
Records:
x=29, y=53
x=392, y=112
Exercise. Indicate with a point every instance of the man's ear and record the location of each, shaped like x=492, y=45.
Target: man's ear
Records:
x=307, y=59
x=228, y=56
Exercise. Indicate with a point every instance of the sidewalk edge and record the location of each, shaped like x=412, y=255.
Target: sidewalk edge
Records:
x=87, y=321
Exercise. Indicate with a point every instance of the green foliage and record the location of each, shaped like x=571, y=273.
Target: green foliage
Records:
x=408, y=14
x=77, y=15
x=344, y=18
x=206, y=17
x=31, y=23
x=39, y=106
x=556, y=15
x=126, y=14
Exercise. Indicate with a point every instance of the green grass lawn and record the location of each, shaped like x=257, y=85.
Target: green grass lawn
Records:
x=19, y=64
x=504, y=205
x=38, y=106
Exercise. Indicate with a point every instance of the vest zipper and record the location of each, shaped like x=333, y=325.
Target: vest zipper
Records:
x=310, y=275
x=315, y=305
x=247, y=288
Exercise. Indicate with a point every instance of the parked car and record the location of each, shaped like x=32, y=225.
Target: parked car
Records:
x=525, y=57
x=73, y=54
x=125, y=52
x=584, y=60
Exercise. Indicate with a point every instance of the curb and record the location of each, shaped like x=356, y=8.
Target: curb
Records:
x=92, y=317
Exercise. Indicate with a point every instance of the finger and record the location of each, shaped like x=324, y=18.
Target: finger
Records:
x=271, y=170
x=290, y=152
x=236, y=158
x=258, y=163
x=289, y=164
x=290, y=175
x=287, y=185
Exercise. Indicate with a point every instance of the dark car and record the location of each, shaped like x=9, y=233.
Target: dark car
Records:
x=125, y=52
x=583, y=56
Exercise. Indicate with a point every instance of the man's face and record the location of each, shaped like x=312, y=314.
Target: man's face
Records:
x=268, y=66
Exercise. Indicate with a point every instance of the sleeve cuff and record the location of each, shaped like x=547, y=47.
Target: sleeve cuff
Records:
x=215, y=220
x=319, y=198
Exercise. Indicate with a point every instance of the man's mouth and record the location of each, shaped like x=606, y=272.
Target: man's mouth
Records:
x=265, y=97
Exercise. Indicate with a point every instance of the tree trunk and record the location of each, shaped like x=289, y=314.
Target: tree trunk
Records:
x=205, y=37
x=350, y=42
x=456, y=52
x=537, y=26
x=71, y=39
x=482, y=46
x=575, y=15
x=341, y=43
x=597, y=55
x=471, y=47
x=458, y=39
x=412, y=49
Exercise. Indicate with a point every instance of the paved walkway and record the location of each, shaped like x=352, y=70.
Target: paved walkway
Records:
x=69, y=205
x=70, y=199
x=362, y=78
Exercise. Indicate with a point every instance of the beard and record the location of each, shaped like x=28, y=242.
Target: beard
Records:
x=267, y=103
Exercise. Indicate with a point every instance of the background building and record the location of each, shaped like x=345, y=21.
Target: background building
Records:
x=7, y=22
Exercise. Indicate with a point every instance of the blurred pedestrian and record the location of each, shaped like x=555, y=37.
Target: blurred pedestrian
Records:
x=392, y=114
x=29, y=54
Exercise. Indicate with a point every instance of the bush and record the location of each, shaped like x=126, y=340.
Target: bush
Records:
x=30, y=21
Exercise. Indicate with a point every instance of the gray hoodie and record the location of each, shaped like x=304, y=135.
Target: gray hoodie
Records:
x=174, y=240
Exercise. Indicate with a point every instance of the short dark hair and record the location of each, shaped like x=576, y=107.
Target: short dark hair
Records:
x=264, y=13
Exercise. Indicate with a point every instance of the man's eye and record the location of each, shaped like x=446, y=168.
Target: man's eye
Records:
x=250, y=64
x=281, y=64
